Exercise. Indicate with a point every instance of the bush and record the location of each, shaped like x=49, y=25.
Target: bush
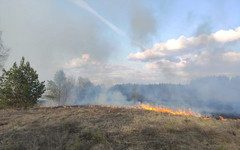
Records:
x=20, y=87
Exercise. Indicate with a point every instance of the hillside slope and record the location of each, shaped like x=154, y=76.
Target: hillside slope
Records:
x=112, y=128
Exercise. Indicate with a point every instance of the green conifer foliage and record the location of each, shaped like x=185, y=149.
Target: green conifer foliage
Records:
x=19, y=86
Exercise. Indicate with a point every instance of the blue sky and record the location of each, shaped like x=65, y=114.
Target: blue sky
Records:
x=61, y=34
x=173, y=18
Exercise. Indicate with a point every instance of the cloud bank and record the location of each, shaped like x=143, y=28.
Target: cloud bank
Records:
x=110, y=73
x=204, y=55
x=183, y=45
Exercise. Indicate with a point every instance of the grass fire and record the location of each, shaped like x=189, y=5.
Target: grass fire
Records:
x=119, y=75
x=105, y=127
x=154, y=108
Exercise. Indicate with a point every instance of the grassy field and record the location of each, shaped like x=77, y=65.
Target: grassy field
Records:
x=103, y=128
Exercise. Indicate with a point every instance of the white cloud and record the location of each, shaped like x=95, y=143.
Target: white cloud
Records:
x=183, y=59
x=112, y=73
x=231, y=57
x=183, y=45
x=176, y=61
x=77, y=61
x=227, y=36
x=203, y=64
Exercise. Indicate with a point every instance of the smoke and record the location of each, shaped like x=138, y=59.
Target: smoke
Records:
x=204, y=23
x=203, y=28
x=143, y=24
x=206, y=95
x=104, y=97
x=68, y=91
x=51, y=32
x=54, y=34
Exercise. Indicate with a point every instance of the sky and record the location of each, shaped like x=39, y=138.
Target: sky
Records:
x=122, y=41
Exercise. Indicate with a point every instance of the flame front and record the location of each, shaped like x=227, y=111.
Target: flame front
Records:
x=166, y=110
x=146, y=107
x=152, y=108
x=221, y=118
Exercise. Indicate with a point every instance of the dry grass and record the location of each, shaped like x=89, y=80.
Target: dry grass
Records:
x=112, y=128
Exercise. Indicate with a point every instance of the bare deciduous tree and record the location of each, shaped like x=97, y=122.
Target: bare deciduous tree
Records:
x=3, y=52
x=59, y=88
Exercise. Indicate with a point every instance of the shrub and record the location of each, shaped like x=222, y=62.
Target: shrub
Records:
x=20, y=87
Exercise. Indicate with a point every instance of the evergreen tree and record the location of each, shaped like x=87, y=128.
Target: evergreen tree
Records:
x=20, y=87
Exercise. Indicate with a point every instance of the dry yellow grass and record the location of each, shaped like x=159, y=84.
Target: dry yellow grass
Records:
x=112, y=128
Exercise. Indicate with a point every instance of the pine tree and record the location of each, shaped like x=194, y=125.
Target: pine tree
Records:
x=20, y=87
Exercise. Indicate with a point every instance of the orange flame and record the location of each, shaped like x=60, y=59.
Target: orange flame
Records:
x=152, y=108
x=166, y=110
x=208, y=118
x=221, y=118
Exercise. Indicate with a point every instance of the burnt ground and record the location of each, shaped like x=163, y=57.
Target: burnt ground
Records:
x=103, y=128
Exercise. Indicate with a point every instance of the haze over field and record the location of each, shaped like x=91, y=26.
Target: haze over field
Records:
x=138, y=41
x=134, y=41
